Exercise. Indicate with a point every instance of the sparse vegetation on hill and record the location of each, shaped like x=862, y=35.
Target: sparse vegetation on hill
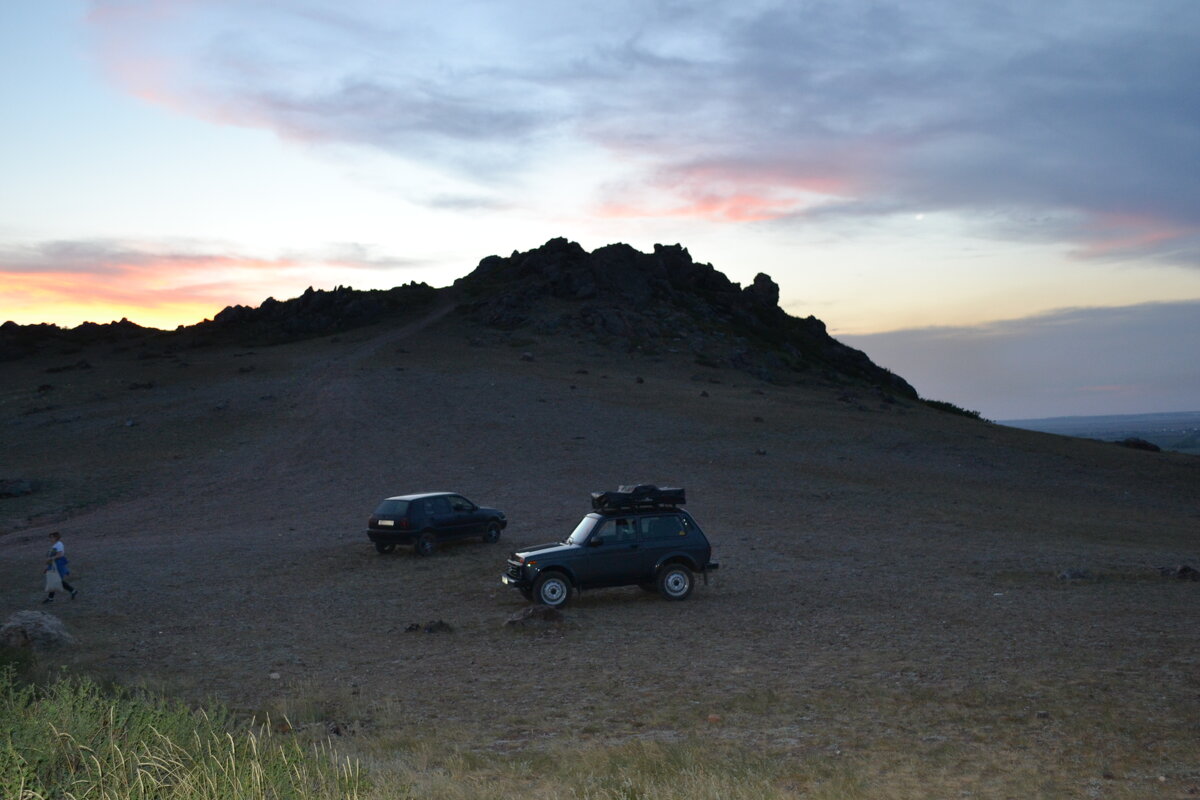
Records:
x=950, y=408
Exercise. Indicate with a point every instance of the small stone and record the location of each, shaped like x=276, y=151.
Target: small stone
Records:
x=527, y=356
x=535, y=615
x=274, y=676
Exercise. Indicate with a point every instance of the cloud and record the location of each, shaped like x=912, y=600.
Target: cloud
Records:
x=1070, y=122
x=1130, y=359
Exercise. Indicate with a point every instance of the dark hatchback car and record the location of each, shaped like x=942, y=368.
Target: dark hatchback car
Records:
x=647, y=541
x=426, y=520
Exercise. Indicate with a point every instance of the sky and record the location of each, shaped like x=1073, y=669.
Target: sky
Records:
x=996, y=200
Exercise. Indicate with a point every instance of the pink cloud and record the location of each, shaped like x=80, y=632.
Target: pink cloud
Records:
x=727, y=193
x=1115, y=234
x=163, y=291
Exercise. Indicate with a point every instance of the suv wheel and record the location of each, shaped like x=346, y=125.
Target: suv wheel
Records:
x=552, y=589
x=425, y=545
x=380, y=547
x=675, y=581
x=492, y=534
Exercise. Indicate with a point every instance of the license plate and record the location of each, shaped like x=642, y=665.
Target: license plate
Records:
x=386, y=523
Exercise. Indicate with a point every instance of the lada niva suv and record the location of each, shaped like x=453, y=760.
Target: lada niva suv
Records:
x=636, y=536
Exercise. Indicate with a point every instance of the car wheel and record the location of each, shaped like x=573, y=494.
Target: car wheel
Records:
x=492, y=534
x=380, y=547
x=675, y=581
x=425, y=545
x=552, y=589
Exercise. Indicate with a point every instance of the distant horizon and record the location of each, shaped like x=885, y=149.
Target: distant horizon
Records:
x=1185, y=413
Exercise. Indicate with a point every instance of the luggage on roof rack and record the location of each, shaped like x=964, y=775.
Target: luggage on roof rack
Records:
x=643, y=495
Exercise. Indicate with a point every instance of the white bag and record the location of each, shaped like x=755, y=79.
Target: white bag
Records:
x=53, y=580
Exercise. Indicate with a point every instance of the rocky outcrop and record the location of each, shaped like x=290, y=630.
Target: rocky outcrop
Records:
x=314, y=313
x=661, y=302
x=18, y=341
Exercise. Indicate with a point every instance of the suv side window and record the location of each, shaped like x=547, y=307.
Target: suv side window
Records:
x=665, y=526
x=615, y=531
x=459, y=503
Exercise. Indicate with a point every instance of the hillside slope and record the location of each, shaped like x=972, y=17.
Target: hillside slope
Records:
x=889, y=583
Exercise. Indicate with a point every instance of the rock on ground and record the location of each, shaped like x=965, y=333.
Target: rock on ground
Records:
x=34, y=629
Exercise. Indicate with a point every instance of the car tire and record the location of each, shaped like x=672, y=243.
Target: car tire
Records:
x=425, y=545
x=552, y=589
x=492, y=534
x=675, y=581
x=382, y=548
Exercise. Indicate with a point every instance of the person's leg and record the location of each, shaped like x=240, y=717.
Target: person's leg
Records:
x=68, y=587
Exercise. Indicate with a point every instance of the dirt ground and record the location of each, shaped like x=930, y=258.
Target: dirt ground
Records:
x=889, y=574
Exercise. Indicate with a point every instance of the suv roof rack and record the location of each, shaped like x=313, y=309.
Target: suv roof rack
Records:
x=641, y=496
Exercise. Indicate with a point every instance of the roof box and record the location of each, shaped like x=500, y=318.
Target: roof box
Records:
x=643, y=495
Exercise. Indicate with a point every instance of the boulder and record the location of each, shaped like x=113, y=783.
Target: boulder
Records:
x=36, y=629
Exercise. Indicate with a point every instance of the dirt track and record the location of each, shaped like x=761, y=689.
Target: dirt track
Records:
x=878, y=561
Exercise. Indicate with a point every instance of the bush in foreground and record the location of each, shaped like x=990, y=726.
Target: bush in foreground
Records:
x=73, y=739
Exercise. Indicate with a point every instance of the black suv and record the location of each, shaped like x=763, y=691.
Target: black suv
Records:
x=637, y=535
x=425, y=520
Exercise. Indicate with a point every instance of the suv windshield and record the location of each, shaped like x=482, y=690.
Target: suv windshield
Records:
x=580, y=534
x=392, y=508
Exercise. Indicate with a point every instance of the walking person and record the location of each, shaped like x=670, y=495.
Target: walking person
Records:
x=56, y=560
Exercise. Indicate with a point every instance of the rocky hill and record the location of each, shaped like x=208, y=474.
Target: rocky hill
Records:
x=615, y=296
x=661, y=301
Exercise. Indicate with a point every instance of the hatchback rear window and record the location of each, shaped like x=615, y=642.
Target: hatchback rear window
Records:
x=392, y=508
